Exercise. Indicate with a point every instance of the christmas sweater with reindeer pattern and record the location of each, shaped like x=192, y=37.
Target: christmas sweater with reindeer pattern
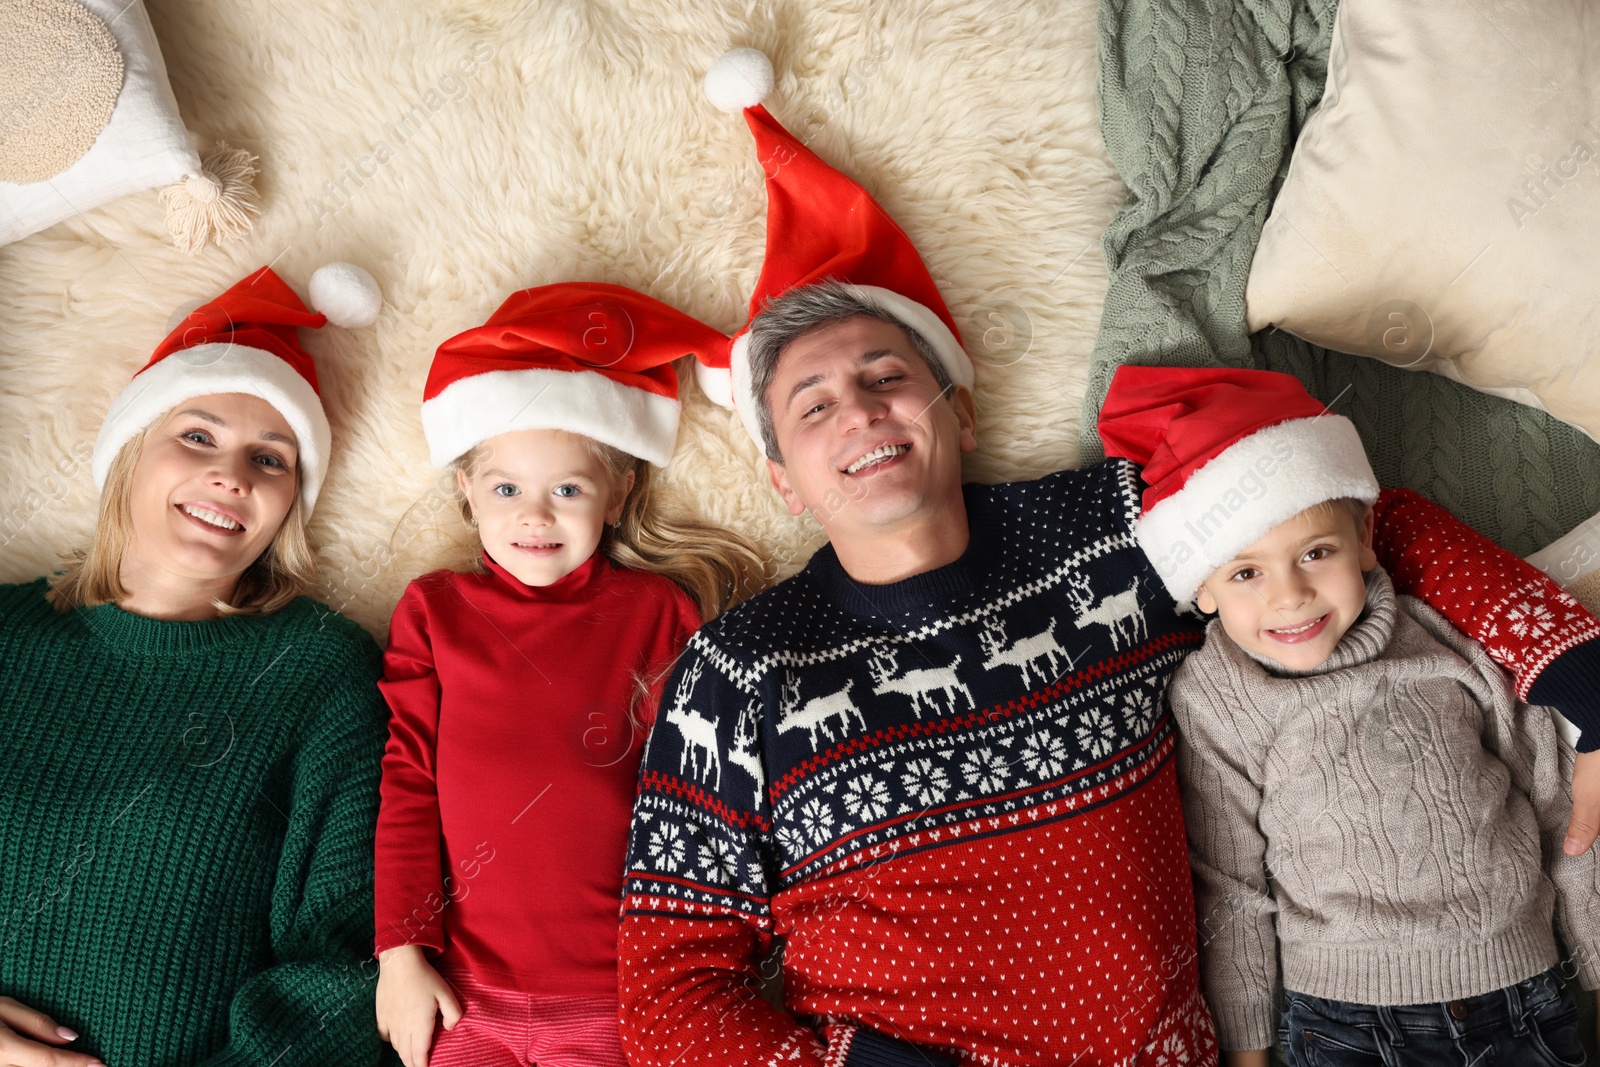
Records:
x=953, y=797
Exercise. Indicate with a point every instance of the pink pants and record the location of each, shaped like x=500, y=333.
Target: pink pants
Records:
x=501, y=1028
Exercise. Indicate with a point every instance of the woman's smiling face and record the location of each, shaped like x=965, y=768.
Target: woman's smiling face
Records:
x=213, y=483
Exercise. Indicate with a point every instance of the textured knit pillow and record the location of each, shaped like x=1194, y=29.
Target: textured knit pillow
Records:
x=60, y=76
x=143, y=146
x=1442, y=207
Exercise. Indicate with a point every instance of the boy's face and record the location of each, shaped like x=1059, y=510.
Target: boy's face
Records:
x=1292, y=595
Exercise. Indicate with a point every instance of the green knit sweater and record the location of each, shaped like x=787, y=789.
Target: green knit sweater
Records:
x=186, y=821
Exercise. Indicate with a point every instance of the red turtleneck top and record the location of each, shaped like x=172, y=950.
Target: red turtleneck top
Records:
x=508, y=781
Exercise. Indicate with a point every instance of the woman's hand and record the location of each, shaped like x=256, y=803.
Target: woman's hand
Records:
x=1585, y=803
x=410, y=994
x=1254, y=1058
x=21, y=1032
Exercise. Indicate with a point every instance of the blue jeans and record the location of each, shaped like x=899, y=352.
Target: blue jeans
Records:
x=1531, y=1023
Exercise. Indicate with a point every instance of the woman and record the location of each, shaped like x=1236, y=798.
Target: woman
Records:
x=188, y=784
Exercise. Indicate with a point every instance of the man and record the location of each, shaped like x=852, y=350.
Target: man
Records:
x=935, y=762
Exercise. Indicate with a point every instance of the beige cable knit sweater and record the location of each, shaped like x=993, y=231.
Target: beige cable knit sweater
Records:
x=1408, y=811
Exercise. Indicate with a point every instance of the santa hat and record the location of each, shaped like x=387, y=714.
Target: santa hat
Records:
x=1226, y=455
x=244, y=341
x=586, y=357
x=820, y=226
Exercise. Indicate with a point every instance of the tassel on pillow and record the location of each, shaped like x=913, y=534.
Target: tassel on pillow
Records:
x=218, y=204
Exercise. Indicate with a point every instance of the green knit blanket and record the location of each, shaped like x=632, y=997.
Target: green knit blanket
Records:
x=1200, y=105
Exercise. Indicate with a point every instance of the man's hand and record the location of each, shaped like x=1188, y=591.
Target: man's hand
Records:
x=26, y=1037
x=1585, y=824
x=411, y=994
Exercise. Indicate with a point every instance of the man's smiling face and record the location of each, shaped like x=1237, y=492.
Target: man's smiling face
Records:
x=869, y=440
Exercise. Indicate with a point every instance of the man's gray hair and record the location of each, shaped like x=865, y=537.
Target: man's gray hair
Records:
x=800, y=311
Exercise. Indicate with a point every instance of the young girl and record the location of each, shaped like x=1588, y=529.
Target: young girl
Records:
x=519, y=693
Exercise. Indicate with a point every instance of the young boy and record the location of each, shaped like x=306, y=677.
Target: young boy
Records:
x=1375, y=822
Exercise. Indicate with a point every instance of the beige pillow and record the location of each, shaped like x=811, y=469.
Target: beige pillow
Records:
x=1442, y=208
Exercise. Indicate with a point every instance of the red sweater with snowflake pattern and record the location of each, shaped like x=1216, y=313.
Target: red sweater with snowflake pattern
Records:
x=954, y=796
x=511, y=767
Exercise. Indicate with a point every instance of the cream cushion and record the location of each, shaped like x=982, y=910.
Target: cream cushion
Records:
x=1442, y=208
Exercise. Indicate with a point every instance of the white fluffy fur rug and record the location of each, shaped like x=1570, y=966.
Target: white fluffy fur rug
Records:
x=576, y=145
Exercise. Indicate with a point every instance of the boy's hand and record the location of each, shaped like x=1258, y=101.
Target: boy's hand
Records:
x=410, y=995
x=1585, y=824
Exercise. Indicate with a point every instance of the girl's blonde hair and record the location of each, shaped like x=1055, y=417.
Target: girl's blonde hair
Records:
x=715, y=566
x=285, y=570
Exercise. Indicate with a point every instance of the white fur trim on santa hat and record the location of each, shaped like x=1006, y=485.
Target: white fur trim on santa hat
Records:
x=472, y=410
x=920, y=317
x=1262, y=480
x=742, y=395
x=957, y=364
x=210, y=369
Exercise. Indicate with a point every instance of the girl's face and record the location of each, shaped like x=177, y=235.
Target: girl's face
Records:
x=213, y=483
x=541, y=499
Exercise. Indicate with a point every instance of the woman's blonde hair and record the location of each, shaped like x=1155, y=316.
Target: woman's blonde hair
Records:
x=285, y=570
x=715, y=566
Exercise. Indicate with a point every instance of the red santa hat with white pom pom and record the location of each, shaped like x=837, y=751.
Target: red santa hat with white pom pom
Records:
x=820, y=226
x=245, y=341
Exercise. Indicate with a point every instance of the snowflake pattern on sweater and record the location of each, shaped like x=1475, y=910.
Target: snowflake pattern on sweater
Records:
x=954, y=797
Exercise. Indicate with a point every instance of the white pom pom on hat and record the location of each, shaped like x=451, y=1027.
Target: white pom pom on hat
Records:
x=741, y=78
x=346, y=294
x=715, y=382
